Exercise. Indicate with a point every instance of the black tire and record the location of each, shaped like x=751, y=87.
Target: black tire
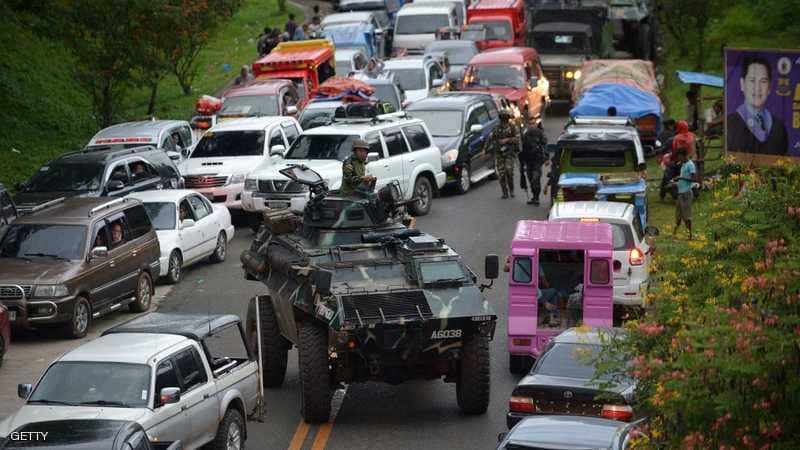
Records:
x=422, y=189
x=226, y=437
x=144, y=294
x=463, y=184
x=474, y=379
x=2, y=350
x=274, y=347
x=80, y=321
x=175, y=268
x=315, y=389
x=644, y=41
x=220, y=249
x=519, y=364
x=254, y=221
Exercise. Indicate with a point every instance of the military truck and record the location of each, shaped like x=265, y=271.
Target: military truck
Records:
x=364, y=298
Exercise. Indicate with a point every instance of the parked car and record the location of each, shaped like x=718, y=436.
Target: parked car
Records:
x=228, y=152
x=318, y=113
x=85, y=434
x=8, y=211
x=387, y=88
x=97, y=173
x=564, y=381
x=417, y=23
x=632, y=252
x=458, y=52
x=76, y=261
x=349, y=60
x=569, y=433
x=418, y=76
x=462, y=127
x=5, y=332
x=189, y=228
x=400, y=150
x=172, y=136
x=514, y=72
x=187, y=377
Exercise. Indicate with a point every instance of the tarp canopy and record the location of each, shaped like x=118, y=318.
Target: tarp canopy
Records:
x=352, y=36
x=629, y=102
x=636, y=73
x=700, y=78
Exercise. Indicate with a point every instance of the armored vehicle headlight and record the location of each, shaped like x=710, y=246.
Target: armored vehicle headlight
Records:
x=50, y=291
x=250, y=184
x=237, y=178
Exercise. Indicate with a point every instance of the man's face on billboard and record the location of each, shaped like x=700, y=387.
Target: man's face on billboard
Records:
x=755, y=85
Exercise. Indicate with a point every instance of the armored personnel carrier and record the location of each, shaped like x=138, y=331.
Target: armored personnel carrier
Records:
x=364, y=298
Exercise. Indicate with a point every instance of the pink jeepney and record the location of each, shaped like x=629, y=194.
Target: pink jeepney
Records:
x=560, y=277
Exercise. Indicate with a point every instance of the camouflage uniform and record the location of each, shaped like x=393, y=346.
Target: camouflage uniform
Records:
x=505, y=155
x=353, y=172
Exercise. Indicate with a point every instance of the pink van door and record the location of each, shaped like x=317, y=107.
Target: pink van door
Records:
x=522, y=301
x=598, y=295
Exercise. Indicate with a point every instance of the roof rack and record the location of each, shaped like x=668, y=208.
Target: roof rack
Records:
x=107, y=205
x=601, y=120
x=48, y=204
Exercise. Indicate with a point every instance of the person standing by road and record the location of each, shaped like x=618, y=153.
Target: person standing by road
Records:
x=508, y=146
x=291, y=26
x=683, y=206
x=354, y=170
x=530, y=162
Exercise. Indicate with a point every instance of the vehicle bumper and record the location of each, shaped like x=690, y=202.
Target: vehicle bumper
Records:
x=258, y=202
x=163, y=263
x=230, y=231
x=230, y=195
x=512, y=418
x=39, y=311
x=441, y=179
x=631, y=294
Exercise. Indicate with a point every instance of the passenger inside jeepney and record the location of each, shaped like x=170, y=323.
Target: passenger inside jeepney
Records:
x=560, y=288
x=326, y=70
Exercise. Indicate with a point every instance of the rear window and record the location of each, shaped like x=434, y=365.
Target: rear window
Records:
x=421, y=23
x=417, y=137
x=230, y=143
x=569, y=360
x=162, y=215
x=611, y=155
x=622, y=236
x=138, y=221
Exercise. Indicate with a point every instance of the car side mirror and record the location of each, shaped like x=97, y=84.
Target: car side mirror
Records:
x=502, y=436
x=372, y=157
x=173, y=155
x=291, y=110
x=187, y=223
x=99, y=252
x=185, y=152
x=651, y=231
x=24, y=390
x=169, y=395
x=476, y=128
x=492, y=269
x=277, y=150
x=115, y=185
x=322, y=280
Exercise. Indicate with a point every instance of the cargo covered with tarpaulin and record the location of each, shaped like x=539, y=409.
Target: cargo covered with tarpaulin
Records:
x=643, y=107
x=361, y=36
x=341, y=89
x=635, y=73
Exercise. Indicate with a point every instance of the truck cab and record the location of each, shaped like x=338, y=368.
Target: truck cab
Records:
x=306, y=63
x=505, y=22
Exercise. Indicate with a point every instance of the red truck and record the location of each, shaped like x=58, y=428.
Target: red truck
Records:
x=505, y=22
x=306, y=63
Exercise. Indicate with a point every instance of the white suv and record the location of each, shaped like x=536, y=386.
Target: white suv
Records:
x=400, y=150
x=631, y=250
x=226, y=153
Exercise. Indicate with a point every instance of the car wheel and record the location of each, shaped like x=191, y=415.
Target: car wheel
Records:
x=423, y=191
x=464, y=181
x=78, y=324
x=315, y=389
x=175, y=269
x=2, y=350
x=144, y=294
x=221, y=249
x=474, y=379
x=230, y=434
x=274, y=347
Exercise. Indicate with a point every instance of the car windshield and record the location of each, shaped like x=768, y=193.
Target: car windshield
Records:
x=441, y=123
x=458, y=56
x=420, y=23
x=474, y=34
x=315, y=117
x=488, y=75
x=94, y=383
x=386, y=93
x=559, y=42
x=162, y=215
x=230, y=143
x=441, y=271
x=571, y=361
x=23, y=240
x=498, y=30
x=250, y=105
x=410, y=79
x=59, y=177
x=322, y=146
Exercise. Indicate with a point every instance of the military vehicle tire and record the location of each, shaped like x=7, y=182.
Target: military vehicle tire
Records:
x=315, y=389
x=423, y=190
x=274, y=347
x=519, y=364
x=474, y=380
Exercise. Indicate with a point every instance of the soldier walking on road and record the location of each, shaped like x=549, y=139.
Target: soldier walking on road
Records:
x=354, y=170
x=508, y=147
x=531, y=160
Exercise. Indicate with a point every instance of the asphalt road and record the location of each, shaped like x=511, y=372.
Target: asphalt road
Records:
x=420, y=415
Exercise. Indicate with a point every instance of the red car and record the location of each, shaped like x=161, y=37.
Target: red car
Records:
x=5, y=331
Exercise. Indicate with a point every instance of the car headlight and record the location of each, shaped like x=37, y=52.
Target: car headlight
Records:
x=251, y=184
x=50, y=291
x=449, y=157
x=569, y=74
x=577, y=75
x=237, y=178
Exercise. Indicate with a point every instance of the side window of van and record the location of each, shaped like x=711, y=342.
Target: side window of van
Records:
x=522, y=271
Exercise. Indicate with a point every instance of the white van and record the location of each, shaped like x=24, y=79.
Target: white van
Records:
x=417, y=23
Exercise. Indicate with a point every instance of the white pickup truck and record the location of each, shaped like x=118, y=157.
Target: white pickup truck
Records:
x=168, y=372
x=401, y=149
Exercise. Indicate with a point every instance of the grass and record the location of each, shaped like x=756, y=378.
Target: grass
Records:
x=46, y=112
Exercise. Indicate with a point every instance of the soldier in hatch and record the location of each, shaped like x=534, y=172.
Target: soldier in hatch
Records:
x=354, y=169
x=507, y=138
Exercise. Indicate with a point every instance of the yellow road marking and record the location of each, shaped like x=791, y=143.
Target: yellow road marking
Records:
x=299, y=436
x=322, y=436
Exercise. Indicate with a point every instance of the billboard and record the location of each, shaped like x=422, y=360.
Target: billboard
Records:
x=762, y=105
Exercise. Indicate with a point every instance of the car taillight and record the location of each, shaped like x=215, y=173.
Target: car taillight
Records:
x=521, y=404
x=622, y=413
x=637, y=257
